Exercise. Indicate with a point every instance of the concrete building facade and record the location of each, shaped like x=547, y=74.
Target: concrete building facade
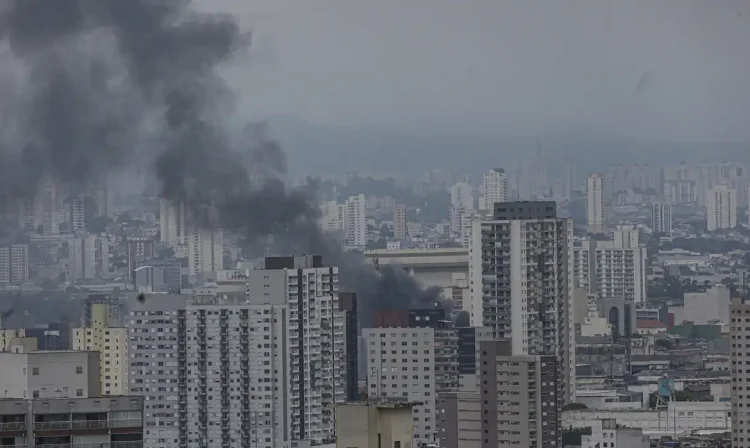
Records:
x=460, y=420
x=606, y=433
x=621, y=266
x=172, y=223
x=79, y=422
x=49, y=374
x=14, y=263
x=111, y=342
x=415, y=365
x=355, y=222
x=374, y=425
x=521, y=401
x=494, y=188
x=205, y=250
x=595, y=204
x=721, y=208
x=661, y=218
x=520, y=282
x=399, y=222
x=261, y=369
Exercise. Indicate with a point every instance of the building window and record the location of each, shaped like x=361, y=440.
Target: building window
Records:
x=35, y=394
x=79, y=370
x=35, y=370
x=79, y=392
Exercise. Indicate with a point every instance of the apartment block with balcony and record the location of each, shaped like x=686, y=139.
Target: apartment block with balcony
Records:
x=111, y=342
x=113, y=422
x=519, y=266
x=413, y=364
x=520, y=398
x=156, y=338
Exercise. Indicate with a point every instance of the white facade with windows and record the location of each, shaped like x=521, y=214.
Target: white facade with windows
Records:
x=494, y=188
x=413, y=364
x=721, y=208
x=595, y=203
x=355, y=223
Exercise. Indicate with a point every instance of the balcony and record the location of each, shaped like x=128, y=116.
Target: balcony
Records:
x=131, y=444
x=90, y=424
x=52, y=425
x=12, y=426
x=126, y=423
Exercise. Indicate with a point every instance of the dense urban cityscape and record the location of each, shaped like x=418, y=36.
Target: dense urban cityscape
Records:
x=169, y=282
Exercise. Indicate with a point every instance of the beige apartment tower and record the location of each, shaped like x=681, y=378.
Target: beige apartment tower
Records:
x=112, y=343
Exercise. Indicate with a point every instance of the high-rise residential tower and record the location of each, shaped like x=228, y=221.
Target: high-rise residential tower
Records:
x=399, y=222
x=205, y=250
x=595, y=203
x=355, y=223
x=520, y=282
x=413, y=357
x=721, y=208
x=494, y=188
x=661, y=218
x=172, y=222
x=261, y=369
x=111, y=341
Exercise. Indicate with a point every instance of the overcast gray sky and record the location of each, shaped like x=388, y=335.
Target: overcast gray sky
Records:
x=654, y=69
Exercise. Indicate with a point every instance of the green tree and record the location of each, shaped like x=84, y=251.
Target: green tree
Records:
x=572, y=436
x=574, y=407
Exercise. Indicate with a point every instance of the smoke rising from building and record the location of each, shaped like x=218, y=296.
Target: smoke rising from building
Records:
x=91, y=87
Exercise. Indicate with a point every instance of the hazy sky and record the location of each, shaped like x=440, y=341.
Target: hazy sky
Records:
x=672, y=69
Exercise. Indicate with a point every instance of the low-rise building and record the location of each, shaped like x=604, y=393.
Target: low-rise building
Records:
x=49, y=374
x=606, y=433
x=115, y=422
x=374, y=425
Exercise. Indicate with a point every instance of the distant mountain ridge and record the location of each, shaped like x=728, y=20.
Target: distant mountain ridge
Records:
x=321, y=149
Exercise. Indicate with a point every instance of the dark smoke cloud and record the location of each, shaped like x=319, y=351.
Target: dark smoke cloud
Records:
x=463, y=319
x=96, y=85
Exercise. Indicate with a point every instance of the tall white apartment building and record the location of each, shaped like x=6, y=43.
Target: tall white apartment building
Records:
x=595, y=203
x=399, y=222
x=661, y=218
x=258, y=370
x=494, y=188
x=609, y=269
x=314, y=351
x=158, y=367
x=721, y=208
x=172, y=222
x=739, y=355
x=462, y=195
x=355, y=223
x=621, y=266
x=205, y=250
x=521, y=286
x=415, y=365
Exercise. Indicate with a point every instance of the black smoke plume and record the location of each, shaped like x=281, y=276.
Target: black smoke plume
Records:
x=92, y=86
